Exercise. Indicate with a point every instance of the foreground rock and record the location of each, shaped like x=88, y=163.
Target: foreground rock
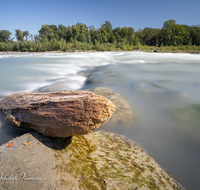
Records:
x=99, y=160
x=123, y=113
x=59, y=114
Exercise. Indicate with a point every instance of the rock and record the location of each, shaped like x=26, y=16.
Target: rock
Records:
x=58, y=114
x=187, y=119
x=102, y=75
x=156, y=87
x=123, y=113
x=155, y=50
x=99, y=160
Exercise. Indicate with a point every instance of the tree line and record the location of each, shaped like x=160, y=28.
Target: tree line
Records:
x=81, y=37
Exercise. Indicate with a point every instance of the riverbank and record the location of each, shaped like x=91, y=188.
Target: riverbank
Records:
x=79, y=51
x=59, y=51
x=164, y=49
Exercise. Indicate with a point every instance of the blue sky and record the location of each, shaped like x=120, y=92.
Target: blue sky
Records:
x=30, y=15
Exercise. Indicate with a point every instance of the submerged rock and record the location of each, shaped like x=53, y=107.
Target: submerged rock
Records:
x=58, y=114
x=188, y=119
x=123, y=113
x=155, y=50
x=99, y=160
x=103, y=75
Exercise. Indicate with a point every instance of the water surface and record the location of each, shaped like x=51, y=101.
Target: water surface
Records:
x=162, y=88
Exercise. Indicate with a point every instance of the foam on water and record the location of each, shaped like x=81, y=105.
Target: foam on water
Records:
x=48, y=66
x=34, y=71
x=2, y=56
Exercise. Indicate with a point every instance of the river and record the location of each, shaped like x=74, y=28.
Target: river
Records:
x=162, y=88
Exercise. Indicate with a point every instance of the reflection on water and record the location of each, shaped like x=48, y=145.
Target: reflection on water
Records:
x=161, y=88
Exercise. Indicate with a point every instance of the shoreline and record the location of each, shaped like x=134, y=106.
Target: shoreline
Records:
x=59, y=51
x=92, y=51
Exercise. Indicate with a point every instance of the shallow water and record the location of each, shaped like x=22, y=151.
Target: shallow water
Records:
x=162, y=89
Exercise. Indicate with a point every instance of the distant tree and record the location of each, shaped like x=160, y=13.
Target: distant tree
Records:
x=116, y=34
x=31, y=37
x=55, y=31
x=187, y=39
x=65, y=32
x=178, y=33
x=91, y=34
x=124, y=32
x=105, y=32
x=150, y=36
x=94, y=33
x=36, y=38
x=81, y=31
x=195, y=35
x=51, y=37
x=112, y=39
x=4, y=35
x=130, y=35
x=166, y=36
x=169, y=23
x=19, y=35
x=108, y=25
x=26, y=34
x=49, y=32
x=62, y=32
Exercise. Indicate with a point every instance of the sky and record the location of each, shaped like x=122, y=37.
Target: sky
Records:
x=31, y=15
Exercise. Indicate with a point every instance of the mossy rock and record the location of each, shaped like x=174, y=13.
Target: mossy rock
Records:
x=99, y=160
x=123, y=114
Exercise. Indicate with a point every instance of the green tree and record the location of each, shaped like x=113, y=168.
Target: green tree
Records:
x=65, y=32
x=166, y=36
x=130, y=35
x=169, y=23
x=195, y=35
x=92, y=33
x=178, y=33
x=105, y=32
x=49, y=32
x=150, y=36
x=4, y=35
x=124, y=33
x=81, y=32
x=19, y=35
x=117, y=33
x=26, y=34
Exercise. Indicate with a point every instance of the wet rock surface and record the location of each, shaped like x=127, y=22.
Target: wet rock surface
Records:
x=58, y=114
x=99, y=160
x=123, y=113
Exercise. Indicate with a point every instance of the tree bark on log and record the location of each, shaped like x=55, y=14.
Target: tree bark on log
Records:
x=58, y=114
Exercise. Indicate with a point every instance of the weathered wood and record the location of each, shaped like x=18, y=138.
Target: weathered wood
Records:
x=58, y=114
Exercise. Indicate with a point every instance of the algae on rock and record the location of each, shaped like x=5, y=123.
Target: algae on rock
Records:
x=99, y=160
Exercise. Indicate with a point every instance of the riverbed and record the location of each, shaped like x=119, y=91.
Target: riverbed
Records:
x=162, y=89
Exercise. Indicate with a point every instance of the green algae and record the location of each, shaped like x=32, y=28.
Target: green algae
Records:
x=80, y=163
x=102, y=160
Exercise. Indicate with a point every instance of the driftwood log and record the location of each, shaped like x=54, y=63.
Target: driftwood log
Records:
x=58, y=114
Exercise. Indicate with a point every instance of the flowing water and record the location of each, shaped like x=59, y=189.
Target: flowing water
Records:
x=162, y=88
